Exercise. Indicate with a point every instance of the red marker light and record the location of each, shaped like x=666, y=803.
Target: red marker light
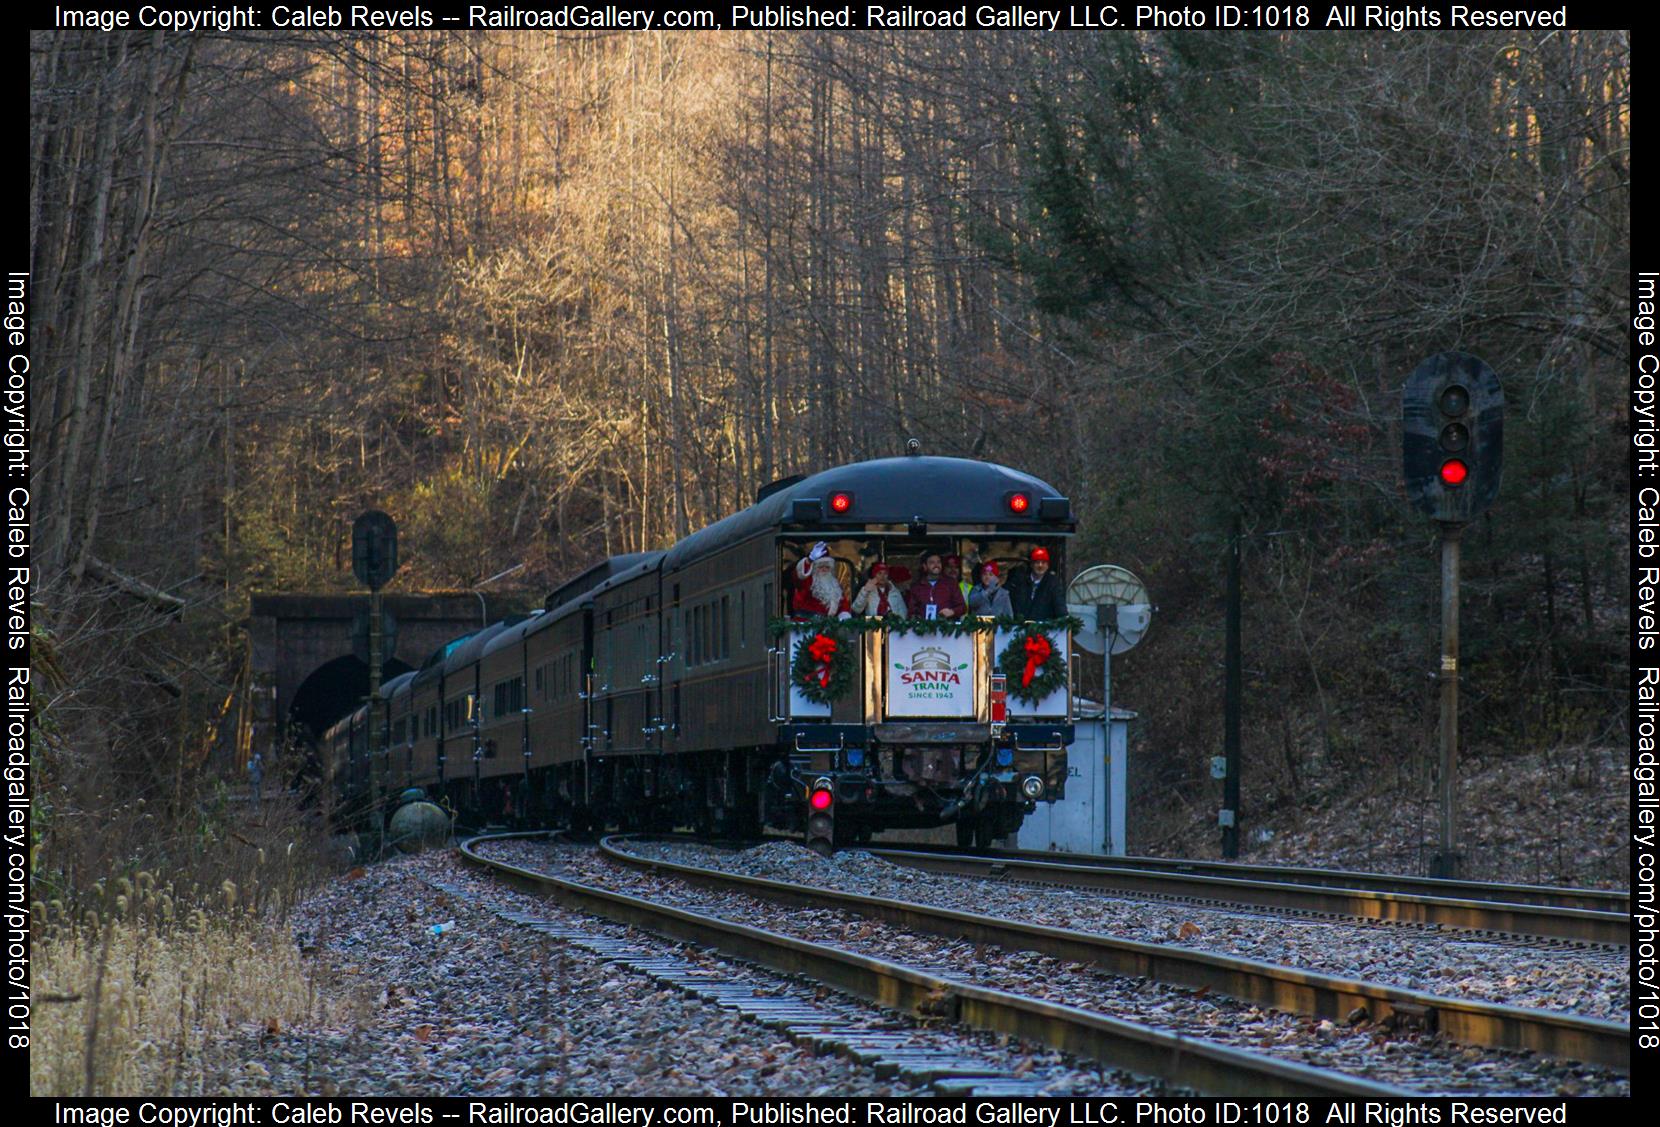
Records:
x=1453, y=472
x=1019, y=502
x=819, y=800
x=841, y=502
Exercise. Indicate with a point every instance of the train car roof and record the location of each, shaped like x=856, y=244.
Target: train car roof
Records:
x=346, y=720
x=593, y=576
x=397, y=684
x=468, y=651
x=513, y=634
x=894, y=491
x=563, y=611
x=648, y=564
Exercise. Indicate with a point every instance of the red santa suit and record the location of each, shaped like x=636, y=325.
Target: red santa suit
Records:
x=814, y=587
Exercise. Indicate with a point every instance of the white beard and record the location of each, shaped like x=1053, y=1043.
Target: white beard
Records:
x=827, y=590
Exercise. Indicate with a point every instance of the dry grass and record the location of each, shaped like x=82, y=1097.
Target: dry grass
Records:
x=161, y=941
x=132, y=1001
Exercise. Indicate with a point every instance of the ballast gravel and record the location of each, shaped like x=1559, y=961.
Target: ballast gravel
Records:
x=1406, y=1058
x=449, y=998
x=1587, y=981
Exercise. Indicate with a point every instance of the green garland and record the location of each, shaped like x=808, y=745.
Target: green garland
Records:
x=1046, y=678
x=922, y=627
x=806, y=670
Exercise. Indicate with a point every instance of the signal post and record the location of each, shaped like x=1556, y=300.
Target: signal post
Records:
x=1452, y=455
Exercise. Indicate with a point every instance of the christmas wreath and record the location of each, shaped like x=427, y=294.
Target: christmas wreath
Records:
x=1032, y=664
x=822, y=669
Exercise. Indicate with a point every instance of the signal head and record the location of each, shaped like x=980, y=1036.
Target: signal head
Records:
x=1452, y=437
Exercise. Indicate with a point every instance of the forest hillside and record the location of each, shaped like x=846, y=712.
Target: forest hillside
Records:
x=549, y=297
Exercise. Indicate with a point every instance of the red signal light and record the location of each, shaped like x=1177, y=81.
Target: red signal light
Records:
x=841, y=502
x=820, y=800
x=1454, y=471
x=1019, y=502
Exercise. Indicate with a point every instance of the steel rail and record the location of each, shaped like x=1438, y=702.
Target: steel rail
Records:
x=1177, y=1059
x=1577, y=924
x=1289, y=989
x=1544, y=896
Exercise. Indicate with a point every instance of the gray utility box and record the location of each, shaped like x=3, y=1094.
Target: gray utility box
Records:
x=1090, y=819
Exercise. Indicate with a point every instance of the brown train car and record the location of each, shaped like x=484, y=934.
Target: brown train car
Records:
x=656, y=688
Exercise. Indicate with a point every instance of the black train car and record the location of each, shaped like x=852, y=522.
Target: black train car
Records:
x=876, y=758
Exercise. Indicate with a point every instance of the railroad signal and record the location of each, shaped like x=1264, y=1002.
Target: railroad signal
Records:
x=374, y=549
x=1452, y=455
x=821, y=818
x=1452, y=437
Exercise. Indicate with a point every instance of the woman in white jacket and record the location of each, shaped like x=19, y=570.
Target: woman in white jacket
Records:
x=879, y=598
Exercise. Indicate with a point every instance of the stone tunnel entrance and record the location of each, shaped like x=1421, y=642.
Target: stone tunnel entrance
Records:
x=332, y=690
x=299, y=680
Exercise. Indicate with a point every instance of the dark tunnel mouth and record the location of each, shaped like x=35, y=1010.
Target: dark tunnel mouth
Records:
x=334, y=689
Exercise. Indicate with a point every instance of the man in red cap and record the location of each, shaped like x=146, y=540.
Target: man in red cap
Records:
x=879, y=598
x=1036, y=593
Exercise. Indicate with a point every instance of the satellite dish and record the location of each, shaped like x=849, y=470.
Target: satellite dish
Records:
x=1109, y=586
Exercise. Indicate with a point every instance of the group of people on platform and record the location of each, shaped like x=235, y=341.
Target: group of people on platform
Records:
x=1034, y=592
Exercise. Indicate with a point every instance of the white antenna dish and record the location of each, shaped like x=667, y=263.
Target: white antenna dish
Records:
x=1129, y=616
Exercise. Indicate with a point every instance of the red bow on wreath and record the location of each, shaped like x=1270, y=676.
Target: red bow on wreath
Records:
x=1037, y=656
x=821, y=649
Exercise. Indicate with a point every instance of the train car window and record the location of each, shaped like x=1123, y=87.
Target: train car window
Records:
x=743, y=619
x=725, y=627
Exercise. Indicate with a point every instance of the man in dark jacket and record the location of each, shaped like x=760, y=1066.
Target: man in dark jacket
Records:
x=1036, y=592
x=932, y=589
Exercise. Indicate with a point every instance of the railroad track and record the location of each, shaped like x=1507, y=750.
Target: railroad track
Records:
x=1589, y=899
x=1478, y=907
x=1268, y=985
x=1180, y=1060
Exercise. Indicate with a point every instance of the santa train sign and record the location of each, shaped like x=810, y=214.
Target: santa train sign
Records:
x=931, y=675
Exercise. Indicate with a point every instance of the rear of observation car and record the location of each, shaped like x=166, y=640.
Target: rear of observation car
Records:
x=915, y=738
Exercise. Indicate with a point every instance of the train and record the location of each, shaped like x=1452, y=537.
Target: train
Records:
x=683, y=687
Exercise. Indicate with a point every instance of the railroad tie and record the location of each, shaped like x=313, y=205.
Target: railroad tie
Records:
x=822, y=1026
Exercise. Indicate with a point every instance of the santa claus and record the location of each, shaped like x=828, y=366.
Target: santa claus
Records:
x=817, y=590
